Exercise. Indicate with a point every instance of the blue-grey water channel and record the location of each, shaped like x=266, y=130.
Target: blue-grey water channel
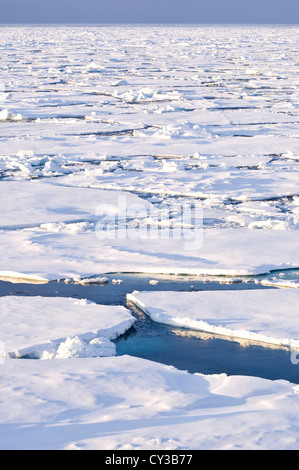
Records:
x=182, y=348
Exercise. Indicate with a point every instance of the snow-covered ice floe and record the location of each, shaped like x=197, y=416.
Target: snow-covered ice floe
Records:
x=232, y=252
x=55, y=328
x=51, y=206
x=262, y=315
x=127, y=403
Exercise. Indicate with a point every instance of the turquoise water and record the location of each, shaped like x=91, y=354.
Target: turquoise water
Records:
x=179, y=347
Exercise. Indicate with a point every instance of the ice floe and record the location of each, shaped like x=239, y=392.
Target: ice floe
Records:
x=42, y=203
x=52, y=328
x=40, y=254
x=263, y=315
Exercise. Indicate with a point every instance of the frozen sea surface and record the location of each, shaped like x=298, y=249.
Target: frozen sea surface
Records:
x=140, y=123
x=204, y=113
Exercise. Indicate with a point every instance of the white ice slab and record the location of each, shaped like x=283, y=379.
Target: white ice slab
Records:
x=126, y=403
x=263, y=315
x=47, y=328
x=29, y=203
x=40, y=254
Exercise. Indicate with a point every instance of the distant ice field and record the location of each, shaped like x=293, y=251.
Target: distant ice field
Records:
x=204, y=113
x=173, y=114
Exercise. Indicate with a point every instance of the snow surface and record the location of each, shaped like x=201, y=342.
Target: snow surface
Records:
x=247, y=314
x=126, y=403
x=37, y=203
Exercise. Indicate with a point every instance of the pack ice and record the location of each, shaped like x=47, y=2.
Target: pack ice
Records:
x=139, y=123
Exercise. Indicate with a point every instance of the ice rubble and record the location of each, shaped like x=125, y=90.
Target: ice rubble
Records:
x=6, y=115
x=147, y=94
x=263, y=315
x=171, y=178
x=55, y=328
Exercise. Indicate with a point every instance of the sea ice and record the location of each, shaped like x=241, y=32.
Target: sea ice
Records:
x=40, y=203
x=164, y=116
x=40, y=255
x=6, y=115
x=254, y=314
x=127, y=403
x=48, y=328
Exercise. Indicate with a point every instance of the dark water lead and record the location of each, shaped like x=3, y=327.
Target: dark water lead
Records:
x=184, y=349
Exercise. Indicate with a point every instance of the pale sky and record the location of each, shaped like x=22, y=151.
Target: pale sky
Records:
x=149, y=11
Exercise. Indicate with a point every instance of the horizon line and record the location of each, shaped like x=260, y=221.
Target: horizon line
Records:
x=149, y=24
